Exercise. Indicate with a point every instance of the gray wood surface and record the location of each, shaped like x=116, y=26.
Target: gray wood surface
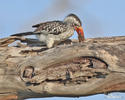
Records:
x=68, y=70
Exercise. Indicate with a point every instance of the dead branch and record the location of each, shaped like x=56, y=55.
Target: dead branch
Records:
x=72, y=70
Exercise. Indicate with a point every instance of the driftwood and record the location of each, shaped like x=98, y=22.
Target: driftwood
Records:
x=67, y=70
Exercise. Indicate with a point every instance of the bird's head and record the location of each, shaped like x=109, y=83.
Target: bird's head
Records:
x=77, y=25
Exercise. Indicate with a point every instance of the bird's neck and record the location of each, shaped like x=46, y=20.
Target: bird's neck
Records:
x=69, y=24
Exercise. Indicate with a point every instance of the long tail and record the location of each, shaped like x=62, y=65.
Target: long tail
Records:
x=24, y=34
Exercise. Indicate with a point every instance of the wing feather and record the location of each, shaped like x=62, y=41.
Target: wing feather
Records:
x=52, y=27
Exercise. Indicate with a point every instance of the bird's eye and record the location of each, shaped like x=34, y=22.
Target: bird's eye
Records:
x=75, y=25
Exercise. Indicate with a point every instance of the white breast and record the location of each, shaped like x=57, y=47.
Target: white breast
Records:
x=51, y=39
x=42, y=37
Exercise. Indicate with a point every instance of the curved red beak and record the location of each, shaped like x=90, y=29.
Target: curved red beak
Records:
x=80, y=32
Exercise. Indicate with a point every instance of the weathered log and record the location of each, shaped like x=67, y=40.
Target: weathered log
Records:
x=72, y=70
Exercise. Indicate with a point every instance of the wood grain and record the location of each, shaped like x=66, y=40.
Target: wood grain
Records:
x=70, y=69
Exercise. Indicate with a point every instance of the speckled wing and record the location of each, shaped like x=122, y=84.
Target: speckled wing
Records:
x=52, y=27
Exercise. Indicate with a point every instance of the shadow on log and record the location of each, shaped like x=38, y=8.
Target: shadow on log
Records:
x=70, y=69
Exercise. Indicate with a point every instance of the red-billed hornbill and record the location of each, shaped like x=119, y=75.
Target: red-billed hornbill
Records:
x=53, y=32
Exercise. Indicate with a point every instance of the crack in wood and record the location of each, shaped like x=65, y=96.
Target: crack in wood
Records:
x=75, y=71
x=33, y=51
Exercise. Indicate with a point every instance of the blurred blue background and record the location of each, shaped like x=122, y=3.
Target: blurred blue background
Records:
x=100, y=18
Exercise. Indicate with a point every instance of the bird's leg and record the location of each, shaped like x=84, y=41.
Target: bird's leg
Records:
x=50, y=42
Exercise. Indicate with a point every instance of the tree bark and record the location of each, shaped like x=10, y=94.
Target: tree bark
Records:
x=71, y=70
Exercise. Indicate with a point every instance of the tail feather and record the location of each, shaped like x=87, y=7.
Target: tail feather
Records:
x=24, y=34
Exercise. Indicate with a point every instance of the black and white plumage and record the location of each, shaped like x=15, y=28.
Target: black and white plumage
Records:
x=52, y=27
x=53, y=32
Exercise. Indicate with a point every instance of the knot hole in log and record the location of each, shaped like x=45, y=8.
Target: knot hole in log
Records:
x=28, y=72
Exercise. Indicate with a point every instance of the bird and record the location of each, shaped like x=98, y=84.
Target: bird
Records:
x=54, y=32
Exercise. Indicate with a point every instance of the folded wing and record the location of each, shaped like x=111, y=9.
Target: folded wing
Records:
x=52, y=27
